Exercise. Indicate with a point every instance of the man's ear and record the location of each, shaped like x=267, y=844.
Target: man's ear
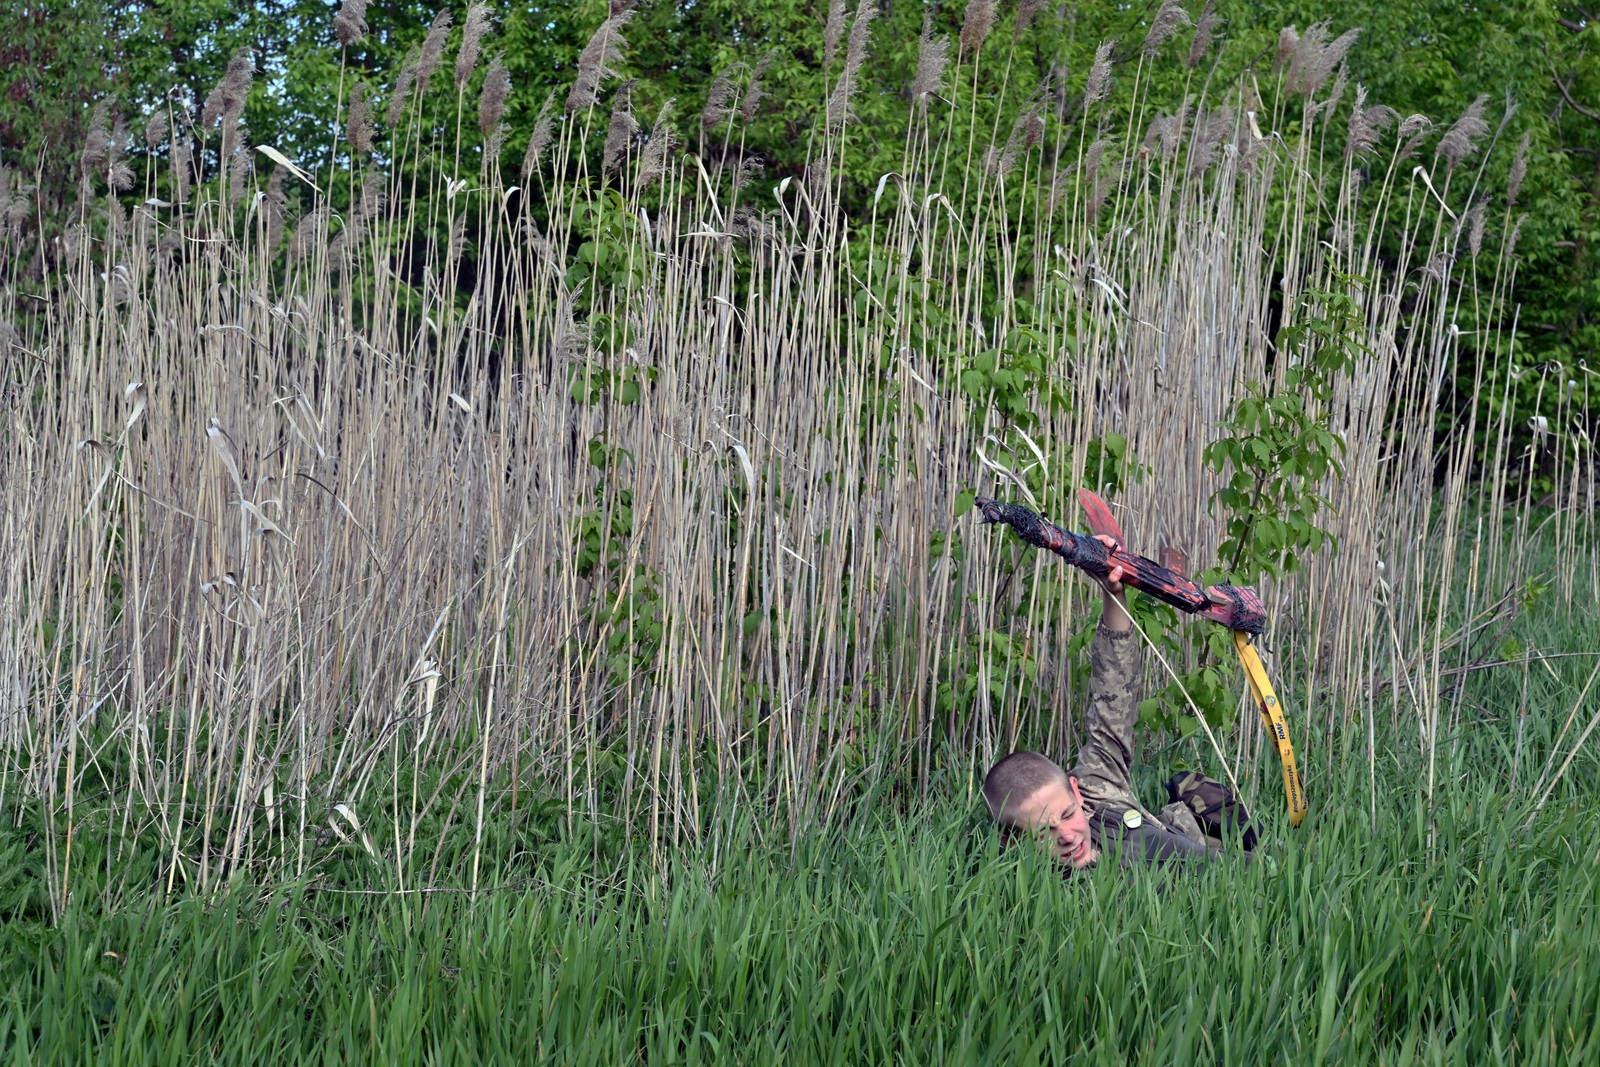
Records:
x=1072, y=784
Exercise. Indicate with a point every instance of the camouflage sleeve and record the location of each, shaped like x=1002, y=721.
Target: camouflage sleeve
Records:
x=1105, y=761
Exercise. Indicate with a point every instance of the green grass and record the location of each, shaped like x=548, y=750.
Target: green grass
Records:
x=1461, y=933
x=1464, y=938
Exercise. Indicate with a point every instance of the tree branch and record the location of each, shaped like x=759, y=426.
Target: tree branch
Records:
x=1589, y=113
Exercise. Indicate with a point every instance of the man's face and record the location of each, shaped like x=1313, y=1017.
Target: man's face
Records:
x=1055, y=814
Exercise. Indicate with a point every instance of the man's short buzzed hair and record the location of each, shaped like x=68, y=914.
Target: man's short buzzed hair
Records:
x=1016, y=778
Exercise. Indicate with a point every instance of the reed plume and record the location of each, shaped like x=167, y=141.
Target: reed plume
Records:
x=226, y=100
x=472, y=31
x=1519, y=170
x=402, y=89
x=1459, y=141
x=832, y=31
x=1366, y=124
x=1027, y=11
x=755, y=90
x=719, y=101
x=1316, y=54
x=539, y=139
x=596, y=62
x=839, y=109
x=620, y=131
x=492, y=101
x=976, y=22
x=933, y=56
x=1170, y=18
x=350, y=23
x=1205, y=29
x=656, y=158
x=1094, y=89
x=358, y=128
x=433, y=49
x=155, y=131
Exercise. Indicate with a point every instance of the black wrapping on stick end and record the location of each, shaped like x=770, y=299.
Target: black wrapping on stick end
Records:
x=1032, y=528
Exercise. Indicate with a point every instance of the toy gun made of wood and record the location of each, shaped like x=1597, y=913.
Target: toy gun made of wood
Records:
x=1238, y=608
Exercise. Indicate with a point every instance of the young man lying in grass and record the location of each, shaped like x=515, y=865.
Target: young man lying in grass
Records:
x=1093, y=808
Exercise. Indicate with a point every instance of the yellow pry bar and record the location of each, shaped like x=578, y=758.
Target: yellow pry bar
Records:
x=1272, y=716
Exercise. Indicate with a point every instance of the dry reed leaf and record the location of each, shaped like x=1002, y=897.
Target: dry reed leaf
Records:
x=264, y=524
x=94, y=447
x=796, y=555
x=350, y=817
x=423, y=670
x=1420, y=172
x=424, y=673
x=268, y=800
x=285, y=162
x=905, y=360
x=1033, y=447
x=438, y=624
x=883, y=183
x=749, y=468
x=223, y=446
x=135, y=392
x=1007, y=473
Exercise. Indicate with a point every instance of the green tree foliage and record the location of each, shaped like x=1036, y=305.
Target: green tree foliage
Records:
x=1433, y=57
x=54, y=64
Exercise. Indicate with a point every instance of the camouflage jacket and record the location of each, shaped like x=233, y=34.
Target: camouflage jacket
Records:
x=1105, y=762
